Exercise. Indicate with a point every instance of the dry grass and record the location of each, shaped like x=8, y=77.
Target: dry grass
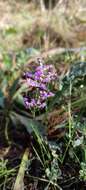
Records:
x=15, y=18
x=21, y=21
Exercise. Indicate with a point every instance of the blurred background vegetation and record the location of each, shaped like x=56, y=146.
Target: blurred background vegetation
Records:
x=42, y=24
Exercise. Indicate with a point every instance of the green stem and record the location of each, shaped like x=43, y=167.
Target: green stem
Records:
x=6, y=131
x=66, y=151
x=78, y=102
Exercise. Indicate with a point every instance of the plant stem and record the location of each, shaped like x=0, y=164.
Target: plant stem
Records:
x=19, y=183
x=6, y=131
x=66, y=151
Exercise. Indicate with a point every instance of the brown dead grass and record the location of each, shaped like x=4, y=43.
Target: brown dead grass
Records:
x=64, y=26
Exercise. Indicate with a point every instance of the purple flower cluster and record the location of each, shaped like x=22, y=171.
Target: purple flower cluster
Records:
x=39, y=81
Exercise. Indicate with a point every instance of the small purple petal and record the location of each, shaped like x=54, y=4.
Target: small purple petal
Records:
x=43, y=95
x=51, y=94
x=29, y=103
x=32, y=83
x=43, y=105
x=48, y=67
x=47, y=80
x=40, y=68
x=42, y=86
x=38, y=75
x=26, y=102
x=29, y=75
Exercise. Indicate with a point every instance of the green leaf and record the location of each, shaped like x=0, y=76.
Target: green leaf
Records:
x=10, y=30
x=23, y=88
x=20, y=100
x=13, y=88
x=7, y=61
x=30, y=124
x=1, y=99
x=56, y=99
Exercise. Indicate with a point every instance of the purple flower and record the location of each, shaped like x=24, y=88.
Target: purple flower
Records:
x=32, y=83
x=48, y=67
x=38, y=75
x=42, y=105
x=40, y=80
x=45, y=95
x=29, y=75
x=26, y=102
x=47, y=79
x=51, y=94
x=40, y=68
x=45, y=74
x=29, y=103
x=42, y=86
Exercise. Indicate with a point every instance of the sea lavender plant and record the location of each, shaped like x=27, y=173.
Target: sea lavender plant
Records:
x=39, y=82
